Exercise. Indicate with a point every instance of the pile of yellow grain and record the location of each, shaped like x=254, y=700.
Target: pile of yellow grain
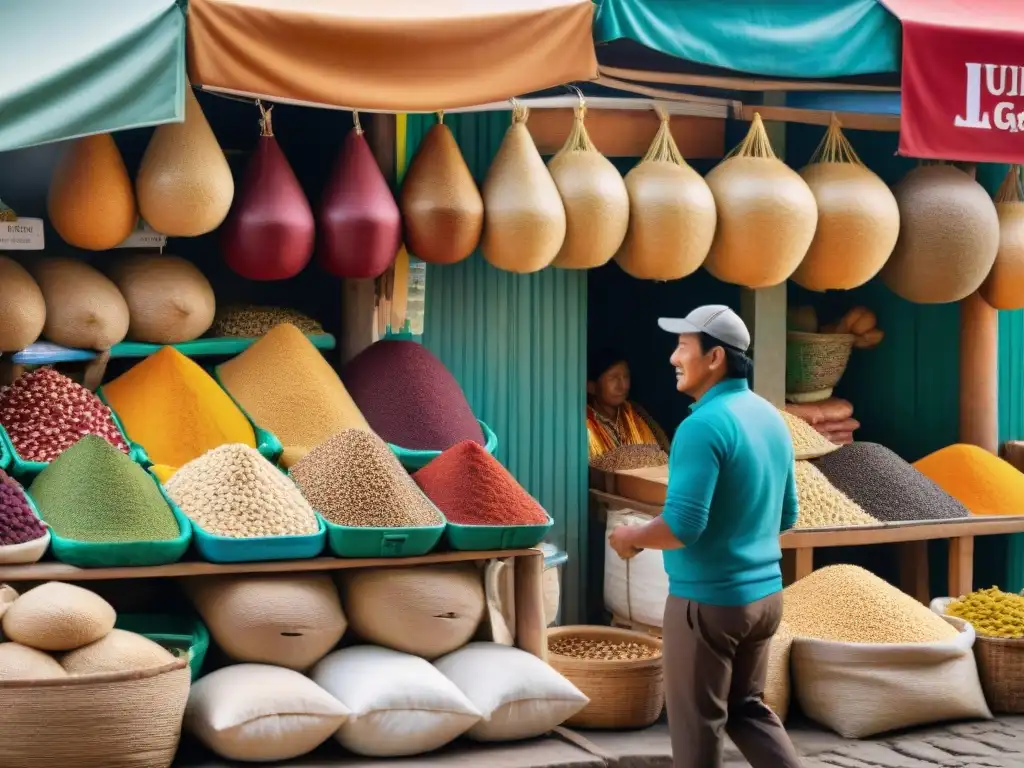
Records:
x=848, y=604
x=822, y=505
x=807, y=442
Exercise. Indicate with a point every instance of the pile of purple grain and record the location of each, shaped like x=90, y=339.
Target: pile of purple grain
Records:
x=18, y=523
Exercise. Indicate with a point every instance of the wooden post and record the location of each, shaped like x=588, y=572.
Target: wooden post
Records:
x=531, y=629
x=797, y=563
x=359, y=297
x=914, y=571
x=961, y=566
x=979, y=377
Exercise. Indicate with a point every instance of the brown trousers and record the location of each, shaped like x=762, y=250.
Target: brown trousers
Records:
x=716, y=662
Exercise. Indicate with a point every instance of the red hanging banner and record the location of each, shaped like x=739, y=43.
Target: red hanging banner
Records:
x=962, y=79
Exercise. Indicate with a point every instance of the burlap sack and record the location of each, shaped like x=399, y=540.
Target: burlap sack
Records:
x=427, y=611
x=58, y=617
x=289, y=621
x=861, y=689
x=777, y=687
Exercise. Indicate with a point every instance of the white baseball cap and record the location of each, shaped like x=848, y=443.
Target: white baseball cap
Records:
x=716, y=320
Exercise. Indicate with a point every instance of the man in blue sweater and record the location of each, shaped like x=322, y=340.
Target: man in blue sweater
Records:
x=731, y=492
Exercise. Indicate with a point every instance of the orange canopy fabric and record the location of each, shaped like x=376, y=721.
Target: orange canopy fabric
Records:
x=390, y=55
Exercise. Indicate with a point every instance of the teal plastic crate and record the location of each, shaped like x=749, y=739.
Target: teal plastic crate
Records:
x=413, y=460
x=5, y=455
x=482, y=538
x=173, y=632
x=352, y=541
x=26, y=471
x=266, y=442
x=227, y=549
x=116, y=554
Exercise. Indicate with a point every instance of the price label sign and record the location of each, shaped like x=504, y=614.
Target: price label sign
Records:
x=144, y=236
x=22, y=235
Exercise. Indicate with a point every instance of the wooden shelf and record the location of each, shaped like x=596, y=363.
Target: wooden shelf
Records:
x=50, y=571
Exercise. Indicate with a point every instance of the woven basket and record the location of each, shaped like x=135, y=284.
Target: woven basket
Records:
x=623, y=694
x=107, y=720
x=1000, y=667
x=814, y=364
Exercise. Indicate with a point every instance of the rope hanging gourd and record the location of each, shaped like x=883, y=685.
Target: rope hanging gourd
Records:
x=858, y=219
x=1004, y=286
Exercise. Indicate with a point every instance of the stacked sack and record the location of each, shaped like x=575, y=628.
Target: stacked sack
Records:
x=412, y=682
x=105, y=697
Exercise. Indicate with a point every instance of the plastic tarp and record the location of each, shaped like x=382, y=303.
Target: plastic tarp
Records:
x=962, y=79
x=74, y=68
x=780, y=38
x=390, y=55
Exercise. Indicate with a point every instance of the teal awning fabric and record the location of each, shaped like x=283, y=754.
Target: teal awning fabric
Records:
x=772, y=38
x=71, y=68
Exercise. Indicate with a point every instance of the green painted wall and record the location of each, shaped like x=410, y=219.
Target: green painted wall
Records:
x=517, y=345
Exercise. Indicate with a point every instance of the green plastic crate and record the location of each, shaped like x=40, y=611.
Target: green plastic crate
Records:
x=115, y=554
x=266, y=442
x=350, y=541
x=5, y=455
x=482, y=538
x=260, y=549
x=173, y=632
x=26, y=471
x=413, y=460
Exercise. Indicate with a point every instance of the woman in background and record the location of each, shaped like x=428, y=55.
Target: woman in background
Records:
x=612, y=420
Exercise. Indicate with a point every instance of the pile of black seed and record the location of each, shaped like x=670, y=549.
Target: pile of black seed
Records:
x=887, y=487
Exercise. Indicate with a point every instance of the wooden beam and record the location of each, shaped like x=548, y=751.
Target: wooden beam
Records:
x=764, y=312
x=628, y=133
x=739, y=83
x=979, y=376
x=859, y=121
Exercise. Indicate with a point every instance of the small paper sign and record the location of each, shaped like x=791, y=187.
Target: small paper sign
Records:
x=144, y=236
x=22, y=235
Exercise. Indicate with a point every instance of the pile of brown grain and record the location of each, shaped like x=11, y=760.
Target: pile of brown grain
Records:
x=601, y=650
x=353, y=479
x=250, y=321
x=627, y=457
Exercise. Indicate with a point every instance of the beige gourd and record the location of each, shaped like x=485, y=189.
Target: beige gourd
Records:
x=83, y=307
x=1004, y=286
x=119, y=651
x=90, y=202
x=427, y=611
x=184, y=184
x=766, y=215
x=58, y=617
x=524, y=222
x=858, y=219
x=169, y=299
x=19, y=662
x=595, y=199
x=22, y=307
x=949, y=236
x=442, y=210
x=671, y=213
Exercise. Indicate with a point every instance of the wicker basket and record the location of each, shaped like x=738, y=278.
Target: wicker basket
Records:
x=105, y=720
x=1000, y=667
x=814, y=364
x=623, y=694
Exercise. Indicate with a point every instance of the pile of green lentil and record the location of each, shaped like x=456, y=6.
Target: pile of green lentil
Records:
x=93, y=492
x=353, y=479
x=233, y=491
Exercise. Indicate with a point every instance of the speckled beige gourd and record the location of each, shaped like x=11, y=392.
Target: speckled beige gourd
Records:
x=58, y=617
x=19, y=662
x=184, y=185
x=91, y=203
x=84, y=309
x=22, y=307
x=120, y=651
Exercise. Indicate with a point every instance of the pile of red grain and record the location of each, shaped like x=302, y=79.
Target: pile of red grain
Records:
x=18, y=523
x=409, y=398
x=472, y=488
x=45, y=413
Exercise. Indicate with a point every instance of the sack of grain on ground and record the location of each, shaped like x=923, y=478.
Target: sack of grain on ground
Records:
x=635, y=590
x=777, y=685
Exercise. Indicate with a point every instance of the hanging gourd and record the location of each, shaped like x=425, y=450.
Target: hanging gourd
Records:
x=442, y=211
x=524, y=222
x=169, y=300
x=671, y=213
x=270, y=231
x=22, y=307
x=184, y=184
x=595, y=199
x=84, y=309
x=858, y=219
x=1004, y=286
x=949, y=236
x=766, y=215
x=359, y=225
x=91, y=203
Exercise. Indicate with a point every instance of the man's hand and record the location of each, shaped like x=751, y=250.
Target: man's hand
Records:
x=621, y=540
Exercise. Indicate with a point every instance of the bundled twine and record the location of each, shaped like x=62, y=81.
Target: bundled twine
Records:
x=356, y=124
x=756, y=143
x=834, y=146
x=1011, y=190
x=266, y=121
x=663, y=148
x=520, y=112
x=578, y=139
